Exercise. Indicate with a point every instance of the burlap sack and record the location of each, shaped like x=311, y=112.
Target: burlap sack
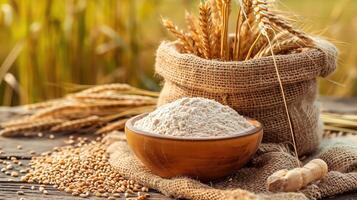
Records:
x=249, y=182
x=252, y=88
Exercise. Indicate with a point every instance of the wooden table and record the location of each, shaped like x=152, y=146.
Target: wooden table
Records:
x=9, y=188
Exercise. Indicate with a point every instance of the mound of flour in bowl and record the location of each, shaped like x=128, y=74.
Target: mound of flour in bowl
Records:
x=194, y=117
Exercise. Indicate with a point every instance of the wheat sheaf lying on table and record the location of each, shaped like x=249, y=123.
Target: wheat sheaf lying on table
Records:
x=259, y=31
x=100, y=109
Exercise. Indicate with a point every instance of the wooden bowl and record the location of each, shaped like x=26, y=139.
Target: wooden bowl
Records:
x=200, y=158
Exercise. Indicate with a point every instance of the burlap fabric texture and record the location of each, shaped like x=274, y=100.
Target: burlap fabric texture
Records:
x=248, y=182
x=251, y=88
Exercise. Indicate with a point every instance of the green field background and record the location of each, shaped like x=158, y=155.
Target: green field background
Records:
x=52, y=47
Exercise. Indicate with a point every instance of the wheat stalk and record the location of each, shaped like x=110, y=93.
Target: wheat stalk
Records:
x=226, y=4
x=237, y=34
x=264, y=24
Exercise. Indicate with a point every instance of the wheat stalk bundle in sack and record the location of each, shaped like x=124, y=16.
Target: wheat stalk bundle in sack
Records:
x=265, y=60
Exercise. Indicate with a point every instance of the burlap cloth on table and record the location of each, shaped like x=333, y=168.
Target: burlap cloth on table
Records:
x=248, y=182
x=251, y=88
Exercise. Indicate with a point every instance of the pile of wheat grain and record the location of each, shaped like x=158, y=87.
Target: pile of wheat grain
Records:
x=100, y=109
x=259, y=31
x=82, y=169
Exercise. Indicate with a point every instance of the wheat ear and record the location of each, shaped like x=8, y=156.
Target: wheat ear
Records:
x=205, y=22
x=113, y=97
x=283, y=46
x=279, y=21
x=216, y=28
x=246, y=29
x=76, y=124
x=184, y=39
x=26, y=128
x=119, y=87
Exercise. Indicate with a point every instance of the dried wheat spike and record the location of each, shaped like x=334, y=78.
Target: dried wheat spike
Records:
x=42, y=105
x=185, y=41
x=219, y=6
x=216, y=12
x=191, y=26
x=283, y=46
x=262, y=43
x=249, y=33
x=247, y=8
x=16, y=122
x=120, y=87
x=35, y=126
x=60, y=111
x=246, y=30
x=119, y=125
x=205, y=22
x=279, y=37
x=279, y=21
x=113, y=97
x=76, y=124
x=216, y=15
x=260, y=8
x=127, y=103
x=215, y=43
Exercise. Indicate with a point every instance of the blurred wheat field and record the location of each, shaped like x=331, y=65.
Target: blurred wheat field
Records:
x=52, y=47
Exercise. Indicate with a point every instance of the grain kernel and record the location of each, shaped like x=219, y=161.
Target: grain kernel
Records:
x=116, y=194
x=41, y=189
x=14, y=174
x=20, y=192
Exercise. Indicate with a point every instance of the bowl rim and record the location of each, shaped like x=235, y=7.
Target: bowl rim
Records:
x=130, y=125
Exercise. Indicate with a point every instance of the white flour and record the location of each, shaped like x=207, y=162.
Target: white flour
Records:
x=194, y=117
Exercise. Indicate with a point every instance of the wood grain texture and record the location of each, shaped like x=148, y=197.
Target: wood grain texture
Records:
x=8, y=190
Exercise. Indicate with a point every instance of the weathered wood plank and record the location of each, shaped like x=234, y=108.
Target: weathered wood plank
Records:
x=8, y=190
x=17, y=168
x=37, y=144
